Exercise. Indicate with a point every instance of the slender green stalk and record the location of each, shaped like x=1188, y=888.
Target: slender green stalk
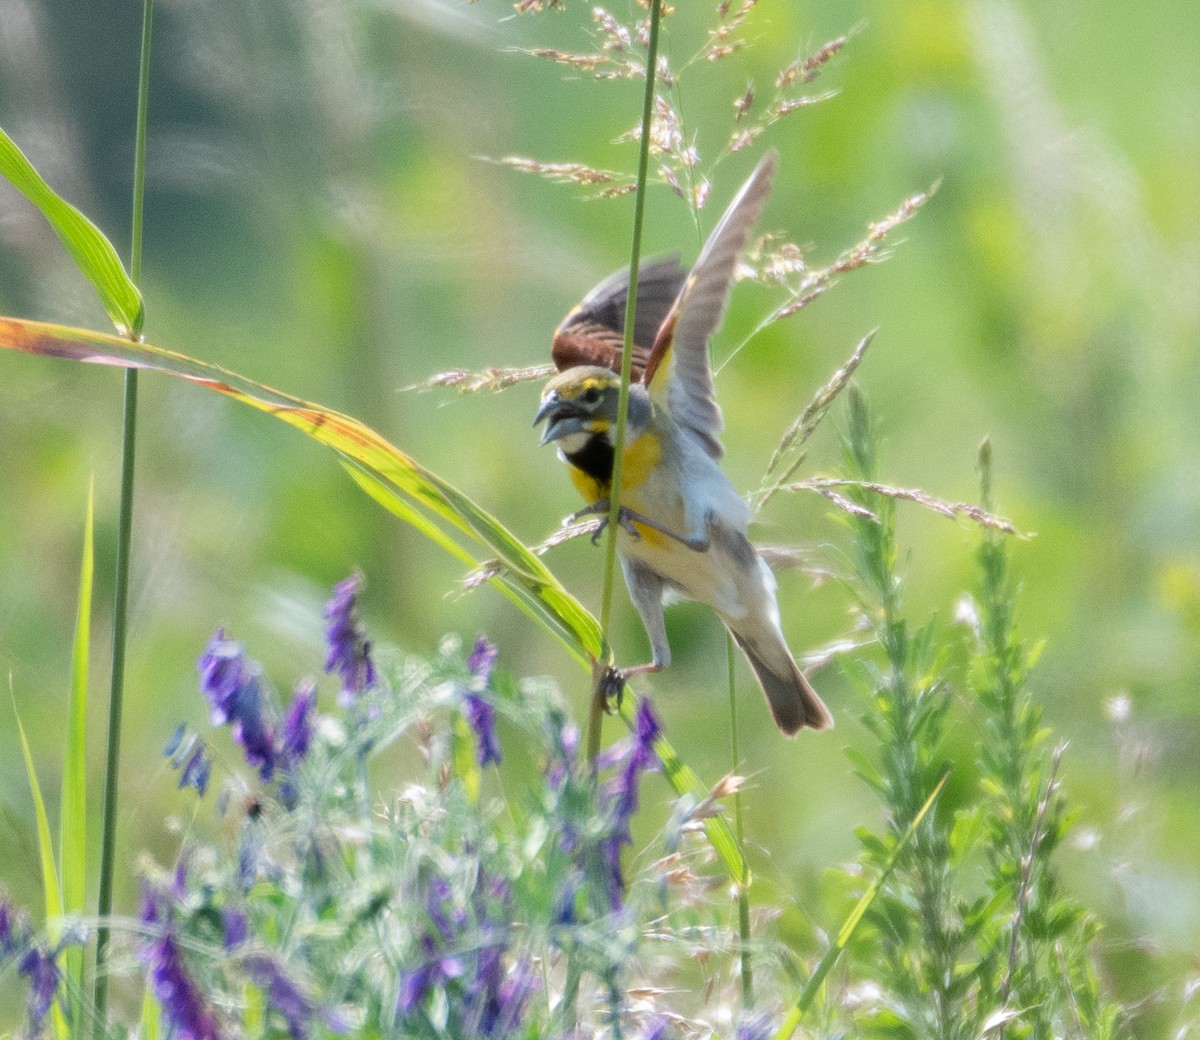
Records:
x=124, y=530
x=743, y=882
x=599, y=693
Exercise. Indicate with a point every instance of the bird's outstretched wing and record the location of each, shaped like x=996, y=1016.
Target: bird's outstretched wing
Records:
x=594, y=332
x=677, y=372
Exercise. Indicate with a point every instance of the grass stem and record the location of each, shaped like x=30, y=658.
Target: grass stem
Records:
x=124, y=533
x=599, y=693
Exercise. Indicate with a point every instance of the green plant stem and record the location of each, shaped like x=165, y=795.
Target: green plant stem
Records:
x=599, y=693
x=124, y=532
x=743, y=882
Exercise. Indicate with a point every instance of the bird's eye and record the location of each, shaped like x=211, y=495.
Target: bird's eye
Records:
x=591, y=395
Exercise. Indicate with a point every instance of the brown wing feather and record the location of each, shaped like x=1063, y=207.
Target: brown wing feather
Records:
x=593, y=333
x=583, y=344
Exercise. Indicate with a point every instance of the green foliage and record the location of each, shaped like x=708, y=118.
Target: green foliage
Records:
x=91, y=251
x=970, y=934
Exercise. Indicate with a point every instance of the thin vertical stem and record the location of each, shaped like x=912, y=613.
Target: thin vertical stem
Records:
x=124, y=532
x=596, y=715
x=743, y=882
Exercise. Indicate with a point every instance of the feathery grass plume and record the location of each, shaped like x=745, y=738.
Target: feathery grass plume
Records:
x=788, y=455
x=620, y=53
x=489, y=569
x=783, y=101
x=828, y=486
x=495, y=379
x=572, y=173
x=782, y=264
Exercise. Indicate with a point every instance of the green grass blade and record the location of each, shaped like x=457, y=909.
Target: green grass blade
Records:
x=684, y=781
x=422, y=492
x=91, y=251
x=50, y=886
x=515, y=591
x=150, y=1027
x=853, y=920
x=72, y=842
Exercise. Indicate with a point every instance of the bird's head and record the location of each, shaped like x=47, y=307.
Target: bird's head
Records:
x=577, y=405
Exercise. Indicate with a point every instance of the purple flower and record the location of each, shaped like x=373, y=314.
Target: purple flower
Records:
x=39, y=968
x=233, y=686
x=236, y=927
x=283, y=995
x=180, y=997
x=622, y=796
x=655, y=1029
x=434, y=970
x=12, y=931
x=298, y=724
x=648, y=729
x=196, y=770
x=755, y=1026
x=482, y=662
x=222, y=671
x=495, y=1000
x=178, y=994
x=482, y=717
x=349, y=651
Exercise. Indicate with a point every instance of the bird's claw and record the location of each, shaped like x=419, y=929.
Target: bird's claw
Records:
x=625, y=517
x=612, y=688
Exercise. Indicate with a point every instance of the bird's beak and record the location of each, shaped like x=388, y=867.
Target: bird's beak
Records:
x=564, y=418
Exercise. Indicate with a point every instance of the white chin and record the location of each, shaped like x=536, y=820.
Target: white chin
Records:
x=572, y=443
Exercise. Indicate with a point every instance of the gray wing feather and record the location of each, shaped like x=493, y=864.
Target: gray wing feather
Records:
x=659, y=282
x=701, y=306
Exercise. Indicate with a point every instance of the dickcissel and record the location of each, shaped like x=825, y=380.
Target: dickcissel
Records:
x=682, y=525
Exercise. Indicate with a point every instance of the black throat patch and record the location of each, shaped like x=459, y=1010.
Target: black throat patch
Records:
x=595, y=459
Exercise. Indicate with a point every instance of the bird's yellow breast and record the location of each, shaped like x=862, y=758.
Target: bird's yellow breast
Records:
x=641, y=458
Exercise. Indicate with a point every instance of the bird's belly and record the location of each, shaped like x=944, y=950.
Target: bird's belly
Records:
x=713, y=577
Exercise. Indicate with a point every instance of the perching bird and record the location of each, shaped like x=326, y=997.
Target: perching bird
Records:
x=683, y=526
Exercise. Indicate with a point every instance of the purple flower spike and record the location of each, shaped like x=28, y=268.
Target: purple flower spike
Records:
x=349, y=651
x=298, y=724
x=178, y=994
x=39, y=968
x=233, y=686
x=648, y=729
x=181, y=1000
x=284, y=995
x=656, y=1029
x=482, y=717
x=435, y=970
x=222, y=672
x=482, y=662
x=755, y=1026
x=236, y=927
x=196, y=770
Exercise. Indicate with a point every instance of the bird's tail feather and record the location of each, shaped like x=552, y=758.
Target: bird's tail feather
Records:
x=793, y=702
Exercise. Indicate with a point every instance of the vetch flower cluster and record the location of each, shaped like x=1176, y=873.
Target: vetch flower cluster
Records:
x=232, y=684
x=36, y=963
x=632, y=758
x=183, y=1004
x=479, y=712
x=464, y=951
x=349, y=649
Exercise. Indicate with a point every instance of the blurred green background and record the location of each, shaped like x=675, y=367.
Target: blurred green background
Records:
x=319, y=217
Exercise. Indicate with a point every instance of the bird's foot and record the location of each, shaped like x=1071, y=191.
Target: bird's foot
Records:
x=629, y=519
x=614, y=680
x=612, y=688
